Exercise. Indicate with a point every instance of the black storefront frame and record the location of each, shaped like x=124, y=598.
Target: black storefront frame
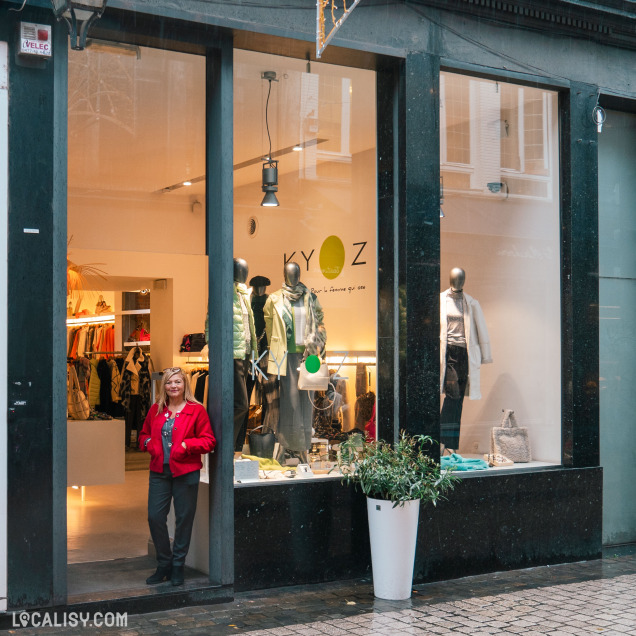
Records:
x=408, y=259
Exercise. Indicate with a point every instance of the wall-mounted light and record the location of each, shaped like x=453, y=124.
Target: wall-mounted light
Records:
x=78, y=15
x=270, y=166
x=598, y=115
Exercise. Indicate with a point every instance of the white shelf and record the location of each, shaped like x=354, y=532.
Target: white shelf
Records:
x=140, y=343
x=133, y=312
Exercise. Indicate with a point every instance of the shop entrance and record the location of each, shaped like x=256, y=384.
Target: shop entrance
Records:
x=137, y=282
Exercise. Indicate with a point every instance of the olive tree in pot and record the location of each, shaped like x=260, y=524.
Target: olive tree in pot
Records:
x=396, y=479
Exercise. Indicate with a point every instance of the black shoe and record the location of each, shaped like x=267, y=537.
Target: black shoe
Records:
x=161, y=575
x=177, y=575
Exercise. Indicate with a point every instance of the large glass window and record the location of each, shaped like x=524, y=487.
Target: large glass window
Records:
x=311, y=280
x=501, y=340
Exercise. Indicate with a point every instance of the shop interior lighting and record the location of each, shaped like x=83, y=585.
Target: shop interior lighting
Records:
x=78, y=15
x=297, y=148
x=270, y=166
x=187, y=183
x=86, y=320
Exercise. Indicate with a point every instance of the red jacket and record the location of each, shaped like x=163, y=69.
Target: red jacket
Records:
x=191, y=425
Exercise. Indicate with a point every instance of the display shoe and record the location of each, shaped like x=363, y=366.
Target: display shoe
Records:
x=161, y=575
x=177, y=575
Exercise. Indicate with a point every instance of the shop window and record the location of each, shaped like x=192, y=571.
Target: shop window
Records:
x=499, y=165
x=321, y=122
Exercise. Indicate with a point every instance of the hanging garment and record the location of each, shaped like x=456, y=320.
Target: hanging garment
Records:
x=136, y=379
x=94, y=385
x=105, y=400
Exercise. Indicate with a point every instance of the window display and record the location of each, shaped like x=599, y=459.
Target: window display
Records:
x=500, y=241
x=311, y=372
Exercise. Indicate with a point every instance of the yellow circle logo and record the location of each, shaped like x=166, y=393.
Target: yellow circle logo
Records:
x=332, y=257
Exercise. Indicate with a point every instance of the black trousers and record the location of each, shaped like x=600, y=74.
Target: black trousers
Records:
x=251, y=383
x=451, y=415
x=241, y=402
x=162, y=489
x=133, y=418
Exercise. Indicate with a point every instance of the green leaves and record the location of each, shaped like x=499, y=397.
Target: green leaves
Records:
x=395, y=473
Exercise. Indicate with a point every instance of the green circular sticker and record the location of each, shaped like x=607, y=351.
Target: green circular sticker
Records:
x=312, y=364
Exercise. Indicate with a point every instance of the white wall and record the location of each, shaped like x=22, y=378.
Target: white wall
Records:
x=4, y=220
x=510, y=252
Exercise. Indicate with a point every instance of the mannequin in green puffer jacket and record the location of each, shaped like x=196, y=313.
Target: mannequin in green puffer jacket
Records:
x=244, y=343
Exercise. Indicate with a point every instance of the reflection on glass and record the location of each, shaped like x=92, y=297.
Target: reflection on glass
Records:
x=499, y=164
x=322, y=127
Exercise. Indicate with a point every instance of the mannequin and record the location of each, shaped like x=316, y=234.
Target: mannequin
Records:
x=465, y=346
x=295, y=328
x=264, y=388
x=244, y=342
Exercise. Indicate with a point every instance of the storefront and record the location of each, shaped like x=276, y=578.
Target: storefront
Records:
x=410, y=148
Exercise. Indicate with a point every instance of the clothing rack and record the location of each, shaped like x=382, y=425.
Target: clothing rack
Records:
x=104, y=353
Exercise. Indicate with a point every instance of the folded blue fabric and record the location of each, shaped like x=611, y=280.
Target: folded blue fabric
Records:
x=457, y=462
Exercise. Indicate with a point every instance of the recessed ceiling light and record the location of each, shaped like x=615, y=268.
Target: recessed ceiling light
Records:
x=187, y=183
x=297, y=148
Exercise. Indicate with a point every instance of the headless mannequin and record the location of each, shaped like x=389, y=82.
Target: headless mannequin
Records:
x=294, y=426
x=241, y=364
x=456, y=377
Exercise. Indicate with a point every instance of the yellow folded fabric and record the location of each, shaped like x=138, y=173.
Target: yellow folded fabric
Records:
x=264, y=463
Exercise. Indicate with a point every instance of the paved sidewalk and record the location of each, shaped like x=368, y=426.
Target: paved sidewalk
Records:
x=592, y=597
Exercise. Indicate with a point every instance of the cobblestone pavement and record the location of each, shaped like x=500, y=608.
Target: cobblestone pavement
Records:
x=592, y=597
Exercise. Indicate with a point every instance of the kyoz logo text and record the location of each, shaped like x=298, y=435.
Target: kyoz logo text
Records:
x=332, y=256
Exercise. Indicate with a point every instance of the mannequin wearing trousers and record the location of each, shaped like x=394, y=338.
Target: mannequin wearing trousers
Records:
x=244, y=343
x=465, y=345
x=295, y=329
x=259, y=286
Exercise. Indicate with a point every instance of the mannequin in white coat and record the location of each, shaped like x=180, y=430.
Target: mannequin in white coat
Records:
x=464, y=347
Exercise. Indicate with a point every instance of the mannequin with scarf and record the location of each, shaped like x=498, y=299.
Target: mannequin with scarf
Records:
x=464, y=347
x=295, y=329
x=244, y=342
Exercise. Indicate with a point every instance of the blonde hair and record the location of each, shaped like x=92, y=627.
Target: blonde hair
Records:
x=162, y=397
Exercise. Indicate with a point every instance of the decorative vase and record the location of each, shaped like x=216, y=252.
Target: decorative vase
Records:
x=393, y=534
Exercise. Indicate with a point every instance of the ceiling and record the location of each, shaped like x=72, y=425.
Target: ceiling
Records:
x=137, y=124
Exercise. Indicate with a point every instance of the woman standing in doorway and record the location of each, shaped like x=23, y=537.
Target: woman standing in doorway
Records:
x=176, y=433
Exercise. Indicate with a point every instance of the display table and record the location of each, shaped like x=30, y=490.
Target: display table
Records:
x=95, y=452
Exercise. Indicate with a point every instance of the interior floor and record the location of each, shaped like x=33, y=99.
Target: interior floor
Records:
x=108, y=539
x=112, y=521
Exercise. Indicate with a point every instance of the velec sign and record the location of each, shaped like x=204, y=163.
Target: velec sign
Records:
x=35, y=39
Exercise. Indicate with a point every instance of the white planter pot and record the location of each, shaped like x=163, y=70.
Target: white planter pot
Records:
x=393, y=533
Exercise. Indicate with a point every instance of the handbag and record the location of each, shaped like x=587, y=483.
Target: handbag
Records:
x=261, y=444
x=318, y=381
x=510, y=440
x=77, y=403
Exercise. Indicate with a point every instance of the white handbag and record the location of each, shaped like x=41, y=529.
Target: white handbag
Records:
x=318, y=381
